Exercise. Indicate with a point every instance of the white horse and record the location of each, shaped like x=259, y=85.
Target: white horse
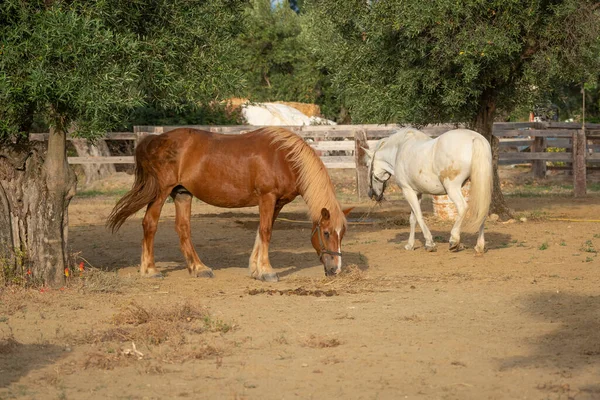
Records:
x=436, y=166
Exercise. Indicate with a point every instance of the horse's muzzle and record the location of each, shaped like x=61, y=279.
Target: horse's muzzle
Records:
x=330, y=265
x=373, y=196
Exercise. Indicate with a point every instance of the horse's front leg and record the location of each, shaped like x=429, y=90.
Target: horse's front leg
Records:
x=415, y=204
x=260, y=266
x=413, y=224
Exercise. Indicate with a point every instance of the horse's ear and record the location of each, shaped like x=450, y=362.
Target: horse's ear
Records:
x=347, y=211
x=367, y=151
x=325, y=214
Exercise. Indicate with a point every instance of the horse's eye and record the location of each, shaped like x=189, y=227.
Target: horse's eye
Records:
x=326, y=235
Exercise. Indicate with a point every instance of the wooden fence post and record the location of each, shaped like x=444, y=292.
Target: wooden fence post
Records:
x=141, y=132
x=538, y=167
x=362, y=178
x=138, y=136
x=579, y=172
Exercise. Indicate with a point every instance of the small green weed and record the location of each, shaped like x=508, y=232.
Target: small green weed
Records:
x=543, y=246
x=588, y=247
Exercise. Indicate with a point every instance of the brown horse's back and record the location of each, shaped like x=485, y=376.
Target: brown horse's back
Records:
x=222, y=170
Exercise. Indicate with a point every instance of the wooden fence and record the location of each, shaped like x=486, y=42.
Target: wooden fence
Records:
x=335, y=142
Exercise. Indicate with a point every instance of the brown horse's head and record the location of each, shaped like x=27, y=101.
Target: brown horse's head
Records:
x=327, y=241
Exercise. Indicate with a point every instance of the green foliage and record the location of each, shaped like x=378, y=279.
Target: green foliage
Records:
x=568, y=98
x=15, y=270
x=277, y=63
x=442, y=61
x=91, y=63
x=187, y=115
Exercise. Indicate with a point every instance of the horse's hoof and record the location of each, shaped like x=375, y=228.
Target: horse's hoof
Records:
x=205, y=273
x=431, y=248
x=479, y=251
x=456, y=247
x=409, y=247
x=272, y=277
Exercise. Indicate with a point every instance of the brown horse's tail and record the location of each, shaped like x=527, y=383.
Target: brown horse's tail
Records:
x=145, y=189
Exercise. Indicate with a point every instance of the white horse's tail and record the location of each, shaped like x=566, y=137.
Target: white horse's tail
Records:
x=482, y=177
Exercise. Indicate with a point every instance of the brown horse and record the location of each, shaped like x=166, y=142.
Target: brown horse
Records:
x=268, y=167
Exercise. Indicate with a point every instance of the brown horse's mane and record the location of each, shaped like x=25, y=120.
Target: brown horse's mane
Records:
x=314, y=182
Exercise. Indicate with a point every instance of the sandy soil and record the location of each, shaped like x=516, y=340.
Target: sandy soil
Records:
x=520, y=322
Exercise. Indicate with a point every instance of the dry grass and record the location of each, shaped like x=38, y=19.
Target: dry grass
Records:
x=156, y=326
x=351, y=280
x=104, y=361
x=167, y=335
x=200, y=352
x=331, y=360
x=320, y=342
x=135, y=314
x=411, y=318
x=299, y=291
x=15, y=299
x=94, y=280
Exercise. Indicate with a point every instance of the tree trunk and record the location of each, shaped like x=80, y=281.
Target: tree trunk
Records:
x=94, y=172
x=484, y=124
x=362, y=177
x=36, y=186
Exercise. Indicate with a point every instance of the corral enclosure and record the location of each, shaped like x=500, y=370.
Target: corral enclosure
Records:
x=555, y=145
x=521, y=321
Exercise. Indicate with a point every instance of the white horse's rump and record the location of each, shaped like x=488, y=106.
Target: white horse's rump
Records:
x=438, y=166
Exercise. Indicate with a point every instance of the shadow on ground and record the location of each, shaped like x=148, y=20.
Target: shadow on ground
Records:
x=573, y=344
x=493, y=240
x=17, y=359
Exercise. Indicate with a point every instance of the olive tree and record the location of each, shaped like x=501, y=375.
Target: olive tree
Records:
x=81, y=67
x=423, y=62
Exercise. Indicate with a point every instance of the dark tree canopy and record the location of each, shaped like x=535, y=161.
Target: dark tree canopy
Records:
x=84, y=66
x=424, y=62
x=438, y=61
x=92, y=62
x=277, y=63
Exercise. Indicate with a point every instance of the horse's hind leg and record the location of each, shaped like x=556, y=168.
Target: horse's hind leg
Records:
x=183, y=213
x=480, y=246
x=455, y=194
x=150, y=225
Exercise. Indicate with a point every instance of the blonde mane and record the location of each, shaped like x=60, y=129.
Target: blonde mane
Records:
x=314, y=183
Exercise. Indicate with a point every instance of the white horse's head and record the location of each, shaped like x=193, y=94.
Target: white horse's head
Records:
x=378, y=173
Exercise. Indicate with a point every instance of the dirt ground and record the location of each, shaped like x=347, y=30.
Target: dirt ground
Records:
x=520, y=322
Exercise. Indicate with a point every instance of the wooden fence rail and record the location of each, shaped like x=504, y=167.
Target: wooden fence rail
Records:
x=335, y=142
